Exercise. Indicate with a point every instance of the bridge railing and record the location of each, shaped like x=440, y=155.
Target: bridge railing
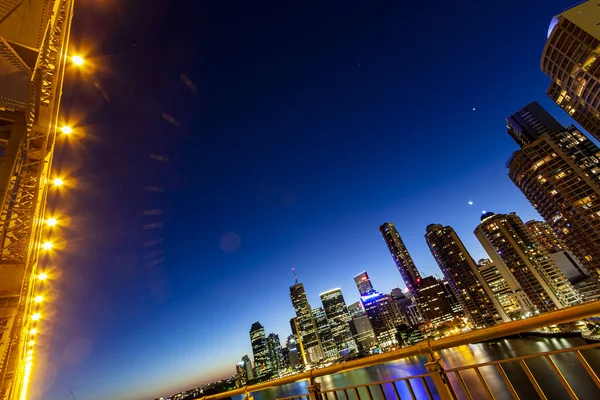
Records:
x=485, y=380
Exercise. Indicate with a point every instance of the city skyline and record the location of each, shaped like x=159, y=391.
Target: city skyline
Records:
x=289, y=156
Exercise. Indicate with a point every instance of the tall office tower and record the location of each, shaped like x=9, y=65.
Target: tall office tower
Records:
x=275, y=354
x=558, y=170
x=455, y=304
x=514, y=302
x=248, y=366
x=330, y=350
x=307, y=329
x=294, y=356
x=383, y=316
x=356, y=310
x=402, y=302
x=433, y=303
x=406, y=266
x=363, y=333
x=567, y=262
x=514, y=252
x=363, y=283
x=338, y=316
x=243, y=371
x=463, y=277
x=570, y=59
x=262, y=362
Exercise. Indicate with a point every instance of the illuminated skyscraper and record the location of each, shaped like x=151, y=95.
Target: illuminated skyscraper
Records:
x=463, y=277
x=571, y=59
x=408, y=271
x=262, y=362
x=567, y=262
x=363, y=333
x=328, y=345
x=338, y=316
x=514, y=302
x=243, y=371
x=403, y=303
x=294, y=356
x=363, y=283
x=275, y=354
x=558, y=170
x=515, y=253
x=356, y=310
x=433, y=303
x=307, y=329
x=248, y=367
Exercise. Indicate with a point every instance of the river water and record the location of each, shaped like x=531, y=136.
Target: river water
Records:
x=468, y=355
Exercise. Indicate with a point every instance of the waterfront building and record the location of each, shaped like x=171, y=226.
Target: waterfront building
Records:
x=433, y=303
x=515, y=253
x=328, y=344
x=262, y=362
x=571, y=60
x=463, y=278
x=339, y=317
x=558, y=171
x=306, y=327
x=404, y=262
x=565, y=259
x=514, y=302
x=383, y=316
x=243, y=372
x=275, y=353
x=402, y=302
x=294, y=356
x=363, y=333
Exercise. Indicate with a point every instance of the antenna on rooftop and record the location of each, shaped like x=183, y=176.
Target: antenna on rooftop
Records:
x=295, y=277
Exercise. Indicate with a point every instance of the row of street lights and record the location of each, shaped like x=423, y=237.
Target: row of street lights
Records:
x=43, y=277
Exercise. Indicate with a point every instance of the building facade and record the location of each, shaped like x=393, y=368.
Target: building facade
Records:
x=558, y=171
x=363, y=284
x=571, y=59
x=328, y=344
x=514, y=302
x=404, y=262
x=433, y=303
x=339, y=317
x=383, y=316
x=463, y=277
x=262, y=362
x=363, y=333
x=305, y=324
x=514, y=252
x=275, y=353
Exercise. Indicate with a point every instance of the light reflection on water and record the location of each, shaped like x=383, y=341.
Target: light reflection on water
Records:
x=467, y=355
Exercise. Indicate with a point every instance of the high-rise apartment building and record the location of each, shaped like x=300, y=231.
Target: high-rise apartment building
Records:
x=515, y=253
x=338, y=316
x=514, y=302
x=363, y=283
x=558, y=170
x=463, y=277
x=306, y=327
x=433, y=303
x=248, y=367
x=408, y=271
x=571, y=59
x=275, y=354
x=243, y=372
x=402, y=302
x=328, y=345
x=567, y=262
x=262, y=362
x=384, y=317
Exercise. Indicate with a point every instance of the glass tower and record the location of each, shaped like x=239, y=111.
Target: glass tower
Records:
x=463, y=277
x=339, y=317
x=262, y=362
x=404, y=262
x=330, y=351
x=307, y=329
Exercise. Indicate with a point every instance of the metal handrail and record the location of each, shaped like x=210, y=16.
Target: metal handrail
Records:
x=561, y=316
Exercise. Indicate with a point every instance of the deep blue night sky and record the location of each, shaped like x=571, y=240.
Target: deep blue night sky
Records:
x=310, y=126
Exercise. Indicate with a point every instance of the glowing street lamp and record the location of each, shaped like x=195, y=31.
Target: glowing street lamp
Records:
x=51, y=221
x=38, y=299
x=67, y=130
x=58, y=182
x=43, y=276
x=31, y=343
x=33, y=332
x=36, y=316
x=77, y=60
x=47, y=245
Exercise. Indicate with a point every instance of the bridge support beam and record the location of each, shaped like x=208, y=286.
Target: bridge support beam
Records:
x=436, y=370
